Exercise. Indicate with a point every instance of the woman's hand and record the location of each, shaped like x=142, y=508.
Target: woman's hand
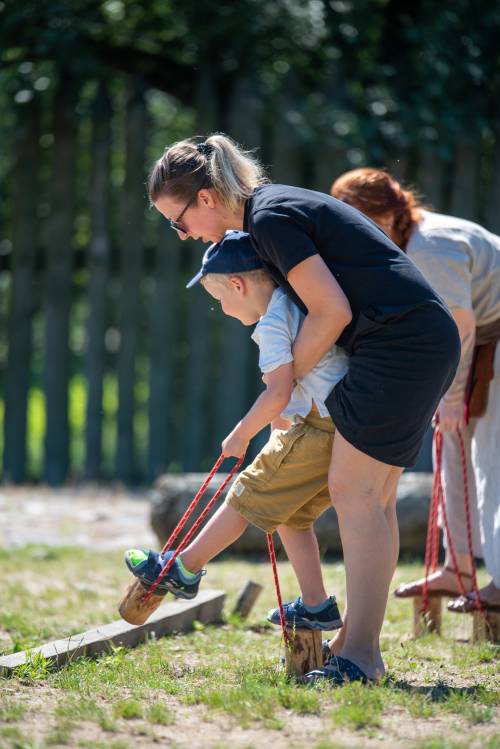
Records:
x=236, y=443
x=451, y=416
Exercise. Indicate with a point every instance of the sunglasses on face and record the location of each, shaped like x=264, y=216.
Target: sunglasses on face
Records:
x=176, y=224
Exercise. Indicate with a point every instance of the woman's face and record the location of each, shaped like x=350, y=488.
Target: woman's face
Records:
x=201, y=218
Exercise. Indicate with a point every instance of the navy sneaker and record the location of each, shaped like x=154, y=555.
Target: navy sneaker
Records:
x=147, y=566
x=296, y=615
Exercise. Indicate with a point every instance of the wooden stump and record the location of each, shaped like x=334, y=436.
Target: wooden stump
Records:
x=429, y=621
x=247, y=598
x=486, y=627
x=304, y=652
x=133, y=609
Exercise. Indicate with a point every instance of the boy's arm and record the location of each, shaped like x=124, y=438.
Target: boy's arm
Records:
x=267, y=407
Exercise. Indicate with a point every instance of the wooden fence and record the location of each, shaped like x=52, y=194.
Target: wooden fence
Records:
x=109, y=368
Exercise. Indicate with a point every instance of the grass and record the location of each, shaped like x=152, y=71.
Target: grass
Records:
x=212, y=675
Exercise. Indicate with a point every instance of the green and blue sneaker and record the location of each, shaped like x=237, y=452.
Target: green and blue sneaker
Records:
x=324, y=617
x=147, y=565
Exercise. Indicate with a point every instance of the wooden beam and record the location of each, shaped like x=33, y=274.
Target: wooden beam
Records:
x=174, y=616
x=246, y=599
x=425, y=622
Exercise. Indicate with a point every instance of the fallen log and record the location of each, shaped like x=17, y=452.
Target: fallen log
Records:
x=173, y=493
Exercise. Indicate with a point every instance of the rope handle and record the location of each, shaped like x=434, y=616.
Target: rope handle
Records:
x=182, y=545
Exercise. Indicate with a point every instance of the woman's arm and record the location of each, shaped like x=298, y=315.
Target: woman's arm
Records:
x=328, y=312
x=451, y=409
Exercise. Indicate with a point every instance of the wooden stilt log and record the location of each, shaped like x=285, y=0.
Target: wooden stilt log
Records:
x=304, y=652
x=247, y=598
x=428, y=621
x=486, y=627
x=133, y=609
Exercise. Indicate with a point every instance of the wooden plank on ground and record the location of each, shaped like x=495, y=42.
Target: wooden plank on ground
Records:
x=174, y=616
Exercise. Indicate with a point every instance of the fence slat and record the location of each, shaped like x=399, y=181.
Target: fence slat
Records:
x=196, y=373
x=132, y=225
x=98, y=264
x=163, y=321
x=22, y=300
x=58, y=282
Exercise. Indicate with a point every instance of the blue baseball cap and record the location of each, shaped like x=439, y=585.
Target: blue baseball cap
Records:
x=233, y=254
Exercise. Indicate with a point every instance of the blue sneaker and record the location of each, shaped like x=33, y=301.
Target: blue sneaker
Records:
x=296, y=615
x=147, y=566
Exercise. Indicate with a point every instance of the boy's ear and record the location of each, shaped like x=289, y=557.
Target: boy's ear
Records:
x=238, y=284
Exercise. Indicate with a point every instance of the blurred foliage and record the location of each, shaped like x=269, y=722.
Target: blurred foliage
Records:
x=379, y=70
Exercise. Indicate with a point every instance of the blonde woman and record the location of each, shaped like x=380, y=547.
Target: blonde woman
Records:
x=360, y=291
x=462, y=262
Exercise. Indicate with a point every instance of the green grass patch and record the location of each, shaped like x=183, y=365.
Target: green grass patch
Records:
x=158, y=713
x=11, y=710
x=358, y=706
x=232, y=669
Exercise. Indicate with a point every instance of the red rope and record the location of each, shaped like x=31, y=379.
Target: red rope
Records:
x=182, y=522
x=195, y=525
x=475, y=588
x=272, y=557
x=432, y=542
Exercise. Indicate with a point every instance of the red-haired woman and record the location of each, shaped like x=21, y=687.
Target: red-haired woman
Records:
x=461, y=260
x=359, y=290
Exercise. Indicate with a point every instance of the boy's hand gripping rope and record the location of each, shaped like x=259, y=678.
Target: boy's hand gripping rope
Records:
x=182, y=522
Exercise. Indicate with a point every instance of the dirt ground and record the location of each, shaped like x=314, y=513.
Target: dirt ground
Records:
x=83, y=516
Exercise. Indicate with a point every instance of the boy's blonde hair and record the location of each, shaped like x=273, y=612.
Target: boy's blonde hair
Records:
x=218, y=162
x=260, y=275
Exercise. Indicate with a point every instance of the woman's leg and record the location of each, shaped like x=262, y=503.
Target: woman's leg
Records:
x=220, y=532
x=303, y=552
x=357, y=484
x=389, y=501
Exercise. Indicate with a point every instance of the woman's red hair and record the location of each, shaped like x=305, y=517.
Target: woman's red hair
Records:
x=376, y=193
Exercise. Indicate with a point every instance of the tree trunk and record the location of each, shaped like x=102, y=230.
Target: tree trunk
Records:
x=98, y=262
x=465, y=188
x=430, y=177
x=196, y=395
x=22, y=301
x=492, y=211
x=164, y=321
x=58, y=282
x=132, y=224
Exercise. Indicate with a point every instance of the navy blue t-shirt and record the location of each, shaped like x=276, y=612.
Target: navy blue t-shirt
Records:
x=289, y=224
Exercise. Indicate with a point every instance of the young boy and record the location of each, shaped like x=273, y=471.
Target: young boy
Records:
x=286, y=486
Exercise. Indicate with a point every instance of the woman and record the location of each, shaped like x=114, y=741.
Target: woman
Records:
x=360, y=291
x=462, y=262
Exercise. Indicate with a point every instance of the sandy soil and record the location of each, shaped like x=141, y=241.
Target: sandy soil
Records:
x=82, y=515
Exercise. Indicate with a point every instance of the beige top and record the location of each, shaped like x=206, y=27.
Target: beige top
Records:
x=461, y=261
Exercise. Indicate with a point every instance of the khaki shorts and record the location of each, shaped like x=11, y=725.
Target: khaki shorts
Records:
x=287, y=483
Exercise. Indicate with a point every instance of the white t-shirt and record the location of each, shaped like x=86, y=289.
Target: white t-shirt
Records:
x=274, y=334
x=461, y=261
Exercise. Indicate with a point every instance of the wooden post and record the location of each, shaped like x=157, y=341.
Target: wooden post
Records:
x=133, y=609
x=247, y=598
x=304, y=652
x=486, y=627
x=429, y=621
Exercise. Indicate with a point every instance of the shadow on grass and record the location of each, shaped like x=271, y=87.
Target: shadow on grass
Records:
x=441, y=691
